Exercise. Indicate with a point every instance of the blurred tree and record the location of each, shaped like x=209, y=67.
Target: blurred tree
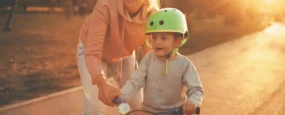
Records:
x=51, y=5
x=4, y=4
x=68, y=8
x=8, y=25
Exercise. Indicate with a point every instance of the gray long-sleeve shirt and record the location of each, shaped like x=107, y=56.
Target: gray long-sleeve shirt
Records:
x=164, y=92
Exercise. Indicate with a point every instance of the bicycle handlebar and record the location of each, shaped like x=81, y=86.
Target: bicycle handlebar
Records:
x=117, y=101
x=178, y=110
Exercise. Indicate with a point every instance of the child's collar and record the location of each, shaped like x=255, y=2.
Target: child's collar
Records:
x=172, y=57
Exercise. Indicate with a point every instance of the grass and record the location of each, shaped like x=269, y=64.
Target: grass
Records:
x=38, y=56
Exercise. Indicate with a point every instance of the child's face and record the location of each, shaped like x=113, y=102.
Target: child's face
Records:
x=164, y=42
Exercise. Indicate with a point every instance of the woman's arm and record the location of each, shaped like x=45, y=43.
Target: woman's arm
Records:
x=97, y=25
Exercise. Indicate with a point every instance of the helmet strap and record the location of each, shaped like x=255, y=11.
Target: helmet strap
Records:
x=147, y=42
x=171, y=53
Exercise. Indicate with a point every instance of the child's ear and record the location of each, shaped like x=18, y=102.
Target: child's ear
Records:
x=178, y=41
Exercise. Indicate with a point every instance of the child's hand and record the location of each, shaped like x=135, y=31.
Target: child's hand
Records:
x=189, y=108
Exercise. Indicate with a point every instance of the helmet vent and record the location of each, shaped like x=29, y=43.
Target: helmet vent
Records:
x=151, y=23
x=161, y=22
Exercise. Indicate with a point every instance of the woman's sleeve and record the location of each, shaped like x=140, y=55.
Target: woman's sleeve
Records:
x=96, y=29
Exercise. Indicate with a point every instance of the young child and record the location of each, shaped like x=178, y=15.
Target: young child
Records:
x=164, y=73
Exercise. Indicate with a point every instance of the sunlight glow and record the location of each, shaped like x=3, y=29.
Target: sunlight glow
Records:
x=270, y=1
x=271, y=38
x=276, y=29
x=264, y=6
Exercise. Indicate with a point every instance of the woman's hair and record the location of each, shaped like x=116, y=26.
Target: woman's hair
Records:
x=153, y=5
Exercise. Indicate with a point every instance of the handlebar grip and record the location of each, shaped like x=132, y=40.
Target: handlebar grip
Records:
x=179, y=111
x=197, y=111
x=117, y=100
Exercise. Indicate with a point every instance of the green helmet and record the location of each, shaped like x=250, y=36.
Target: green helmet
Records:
x=167, y=20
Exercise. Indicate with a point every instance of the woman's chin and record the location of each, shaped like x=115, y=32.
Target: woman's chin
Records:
x=129, y=1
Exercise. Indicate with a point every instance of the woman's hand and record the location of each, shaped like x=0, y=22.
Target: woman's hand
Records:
x=106, y=91
x=189, y=108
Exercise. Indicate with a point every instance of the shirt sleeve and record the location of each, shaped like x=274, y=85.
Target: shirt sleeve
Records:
x=195, y=90
x=138, y=80
x=97, y=26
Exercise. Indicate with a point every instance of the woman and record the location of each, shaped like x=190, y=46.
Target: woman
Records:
x=108, y=40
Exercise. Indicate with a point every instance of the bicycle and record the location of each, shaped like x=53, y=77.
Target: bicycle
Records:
x=124, y=110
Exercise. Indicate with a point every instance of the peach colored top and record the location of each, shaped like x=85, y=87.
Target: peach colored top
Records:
x=110, y=34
